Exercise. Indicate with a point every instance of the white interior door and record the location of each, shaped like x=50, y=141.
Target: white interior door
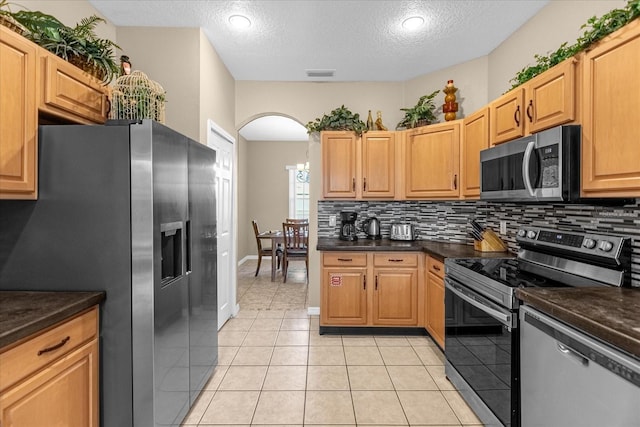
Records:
x=222, y=142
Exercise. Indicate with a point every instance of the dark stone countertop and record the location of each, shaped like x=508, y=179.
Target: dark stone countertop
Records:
x=25, y=313
x=610, y=314
x=439, y=250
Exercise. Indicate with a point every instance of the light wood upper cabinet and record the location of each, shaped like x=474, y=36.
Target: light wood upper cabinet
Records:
x=339, y=165
x=378, y=165
x=18, y=117
x=611, y=102
x=52, y=378
x=69, y=93
x=358, y=167
x=37, y=86
x=545, y=101
x=432, y=162
x=475, y=138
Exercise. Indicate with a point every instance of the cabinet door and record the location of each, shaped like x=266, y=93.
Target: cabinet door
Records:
x=378, y=165
x=475, y=138
x=550, y=97
x=610, y=148
x=69, y=93
x=432, y=162
x=339, y=165
x=343, y=296
x=435, y=308
x=18, y=117
x=395, y=297
x=507, y=116
x=63, y=394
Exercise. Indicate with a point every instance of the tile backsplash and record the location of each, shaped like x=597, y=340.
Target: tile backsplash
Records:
x=449, y=221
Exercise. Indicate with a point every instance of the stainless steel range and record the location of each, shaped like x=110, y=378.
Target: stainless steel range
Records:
x=481, y=309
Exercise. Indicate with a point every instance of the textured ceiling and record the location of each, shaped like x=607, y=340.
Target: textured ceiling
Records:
x=360, y=40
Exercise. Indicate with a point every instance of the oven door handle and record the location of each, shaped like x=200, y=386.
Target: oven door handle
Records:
x=526, y=162
x=507, y=319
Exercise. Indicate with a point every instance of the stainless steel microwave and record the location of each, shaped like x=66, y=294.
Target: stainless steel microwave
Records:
x=541, y=167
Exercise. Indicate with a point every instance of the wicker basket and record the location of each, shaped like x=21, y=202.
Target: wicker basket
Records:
x=88, y=67
x=12, y=24
x=136, y=97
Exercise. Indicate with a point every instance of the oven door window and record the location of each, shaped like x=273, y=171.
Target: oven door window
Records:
x=482, y=350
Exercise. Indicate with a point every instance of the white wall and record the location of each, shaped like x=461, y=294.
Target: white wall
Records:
x=69, y=12
x=556, y=23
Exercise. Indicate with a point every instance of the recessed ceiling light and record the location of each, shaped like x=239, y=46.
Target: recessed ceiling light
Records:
x=413, y=22
x=239, y=21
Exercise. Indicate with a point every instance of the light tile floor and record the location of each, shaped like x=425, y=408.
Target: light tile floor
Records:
x=275, y=368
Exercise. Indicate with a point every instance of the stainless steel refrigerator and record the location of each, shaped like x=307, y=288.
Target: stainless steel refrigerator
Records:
x=128, y=208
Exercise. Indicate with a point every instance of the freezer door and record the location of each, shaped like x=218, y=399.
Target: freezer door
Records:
x=160, y=277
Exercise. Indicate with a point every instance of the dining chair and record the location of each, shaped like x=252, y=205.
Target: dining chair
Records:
x=298, y=221
x=296, y=245
x=263, y=251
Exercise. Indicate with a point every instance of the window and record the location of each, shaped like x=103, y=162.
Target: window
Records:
x=298, y=192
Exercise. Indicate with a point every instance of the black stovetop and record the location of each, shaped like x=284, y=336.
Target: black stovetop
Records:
x=506, y=272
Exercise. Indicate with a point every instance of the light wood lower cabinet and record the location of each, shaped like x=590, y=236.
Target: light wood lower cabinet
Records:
x=370, y=289
x=51, y=379
x=434, y=307
x=395, y=290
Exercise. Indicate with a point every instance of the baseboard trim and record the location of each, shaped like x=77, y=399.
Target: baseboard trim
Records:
x=249, y=257
x=375, y=330
x=313, y=311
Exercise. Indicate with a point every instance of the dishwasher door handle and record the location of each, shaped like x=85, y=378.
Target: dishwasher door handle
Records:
x=569, y=352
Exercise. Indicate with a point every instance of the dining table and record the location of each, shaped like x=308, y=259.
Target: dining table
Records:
x=276, y=238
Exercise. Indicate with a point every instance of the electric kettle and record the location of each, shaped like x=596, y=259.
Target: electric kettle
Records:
x=372, y=228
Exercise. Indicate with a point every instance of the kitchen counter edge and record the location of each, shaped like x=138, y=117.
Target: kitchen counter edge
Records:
x=607, y=313
x=24, y=313
x=437, y=249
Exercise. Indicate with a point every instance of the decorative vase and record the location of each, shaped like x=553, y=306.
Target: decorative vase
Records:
x=450, y=106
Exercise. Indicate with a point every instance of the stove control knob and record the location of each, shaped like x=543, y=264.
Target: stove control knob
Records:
x=605, y=246
x=589, y=243
x=531, y=234
x=522, y=232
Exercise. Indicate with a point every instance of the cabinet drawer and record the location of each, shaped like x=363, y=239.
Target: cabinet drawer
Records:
x=37, y=352
x=436, y=267
x=395, y=259
x=344, y=259
x=68, y=92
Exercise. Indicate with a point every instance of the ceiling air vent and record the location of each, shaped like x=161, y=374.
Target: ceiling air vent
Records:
x=320, y=73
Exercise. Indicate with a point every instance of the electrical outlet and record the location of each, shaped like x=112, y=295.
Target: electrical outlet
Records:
x=503, y=227
x=332, y=221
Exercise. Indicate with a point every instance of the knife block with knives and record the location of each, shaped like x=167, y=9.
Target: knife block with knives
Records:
x=486, y=240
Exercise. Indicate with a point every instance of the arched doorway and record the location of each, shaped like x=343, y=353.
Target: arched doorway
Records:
x=269, y=143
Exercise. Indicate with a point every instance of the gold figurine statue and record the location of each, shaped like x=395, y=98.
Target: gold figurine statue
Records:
x=379, y=125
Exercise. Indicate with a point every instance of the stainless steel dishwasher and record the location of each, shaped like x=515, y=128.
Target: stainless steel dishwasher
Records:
x=569, y=378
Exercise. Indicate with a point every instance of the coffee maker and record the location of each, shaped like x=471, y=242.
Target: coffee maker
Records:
x=348, y=226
